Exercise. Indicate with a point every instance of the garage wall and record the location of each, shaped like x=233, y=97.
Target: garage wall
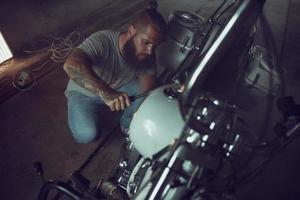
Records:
x=25, y=21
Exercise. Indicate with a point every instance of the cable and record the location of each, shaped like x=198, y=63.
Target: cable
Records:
x=60, y=48
x=217, y=10
x=225, y=10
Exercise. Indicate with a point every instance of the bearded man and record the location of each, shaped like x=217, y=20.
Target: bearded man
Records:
x=107, y=68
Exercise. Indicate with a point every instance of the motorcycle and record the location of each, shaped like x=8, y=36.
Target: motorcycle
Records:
x=193, y=139
x=187, y=141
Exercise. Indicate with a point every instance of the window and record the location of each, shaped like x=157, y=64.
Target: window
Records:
x=5, y=52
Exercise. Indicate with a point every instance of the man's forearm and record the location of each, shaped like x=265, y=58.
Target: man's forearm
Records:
x=87, y=79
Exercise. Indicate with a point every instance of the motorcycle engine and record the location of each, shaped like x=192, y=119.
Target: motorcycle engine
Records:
x=184, y=28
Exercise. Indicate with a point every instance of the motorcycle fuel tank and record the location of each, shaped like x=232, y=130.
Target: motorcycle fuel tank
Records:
x=156, y=123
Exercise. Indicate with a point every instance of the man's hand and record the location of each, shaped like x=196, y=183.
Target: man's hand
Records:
x=116, y=100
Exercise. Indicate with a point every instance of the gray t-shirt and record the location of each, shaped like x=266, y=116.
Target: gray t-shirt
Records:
x=103, y=49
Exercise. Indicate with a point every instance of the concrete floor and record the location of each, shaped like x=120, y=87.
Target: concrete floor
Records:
x=34, y=123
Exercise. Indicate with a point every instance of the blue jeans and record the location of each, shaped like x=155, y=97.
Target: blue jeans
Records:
x=85, y=113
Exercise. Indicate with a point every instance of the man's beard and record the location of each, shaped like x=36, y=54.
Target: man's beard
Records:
x=129, y=51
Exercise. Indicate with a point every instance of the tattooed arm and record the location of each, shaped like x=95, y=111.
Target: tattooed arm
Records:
x=78, y=66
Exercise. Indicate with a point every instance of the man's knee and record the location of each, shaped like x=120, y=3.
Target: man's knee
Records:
x=85, y=135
